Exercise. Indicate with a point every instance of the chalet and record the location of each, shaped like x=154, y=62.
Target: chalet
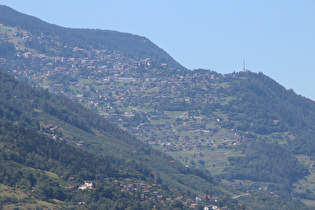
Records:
x=160, y=196
x=179, y=198
x=28, y=55
x=59, y=59
x=71, y=179
x=198, y=199
x=193, y=206
x=48, y=126
x=80, y=144
x=42, y=56
x=127, y=79
x=214, y=199
x=87, y=185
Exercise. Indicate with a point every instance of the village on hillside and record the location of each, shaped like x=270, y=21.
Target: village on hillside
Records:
x=173, y=110
x=161, y=106
x=154, y=193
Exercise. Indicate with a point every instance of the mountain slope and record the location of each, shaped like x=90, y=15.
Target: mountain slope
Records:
x=240, y=126
x=25, y=150
x=133, y=160
x=293, y=113
x=134, y=46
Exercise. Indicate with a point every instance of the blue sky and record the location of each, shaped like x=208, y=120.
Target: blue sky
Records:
x=275, y=37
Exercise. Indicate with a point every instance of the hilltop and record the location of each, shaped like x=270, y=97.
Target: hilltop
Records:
x=133, y=46
x=244, y=128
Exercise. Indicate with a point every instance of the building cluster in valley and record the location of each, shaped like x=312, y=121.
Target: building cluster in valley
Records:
x=153, y=193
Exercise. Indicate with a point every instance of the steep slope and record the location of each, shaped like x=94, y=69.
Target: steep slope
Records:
x=281, y=110
x=241, y=126
x=268, y=107
x=39, y=164
x=133, y=46
x=65, y=121
x=279, y=133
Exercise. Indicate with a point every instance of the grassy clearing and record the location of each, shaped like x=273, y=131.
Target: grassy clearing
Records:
x=308, y=183
x=159, y=121
x=174, y=113
x=85, y=81
x=4, y=29
x=51, y=174
x=12, y=192
x=151, y=90
x=235, y=154
x=308, y=202
x=142, y=110
x=23, y=200
x=216, y=160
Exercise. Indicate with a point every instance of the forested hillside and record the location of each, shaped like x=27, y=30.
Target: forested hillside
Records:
x=196, y=134
x=271, y=108
x=40, y=154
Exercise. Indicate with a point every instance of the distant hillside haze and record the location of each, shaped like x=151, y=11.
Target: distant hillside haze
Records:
x=188, y=137
x=135, y=46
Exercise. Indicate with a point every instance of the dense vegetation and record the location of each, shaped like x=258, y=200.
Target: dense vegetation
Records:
x=24, y=149
x=6, y=49
x=26, y=156
x=265, y=107
x=262, y=101
x=267, y=162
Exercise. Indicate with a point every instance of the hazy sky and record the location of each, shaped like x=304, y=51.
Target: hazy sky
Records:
x=276, y=37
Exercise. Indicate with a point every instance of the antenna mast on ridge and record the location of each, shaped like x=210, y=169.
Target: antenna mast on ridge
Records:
x=244, y=64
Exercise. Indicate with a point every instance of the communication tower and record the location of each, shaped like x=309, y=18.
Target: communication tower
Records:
x=244, y=64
